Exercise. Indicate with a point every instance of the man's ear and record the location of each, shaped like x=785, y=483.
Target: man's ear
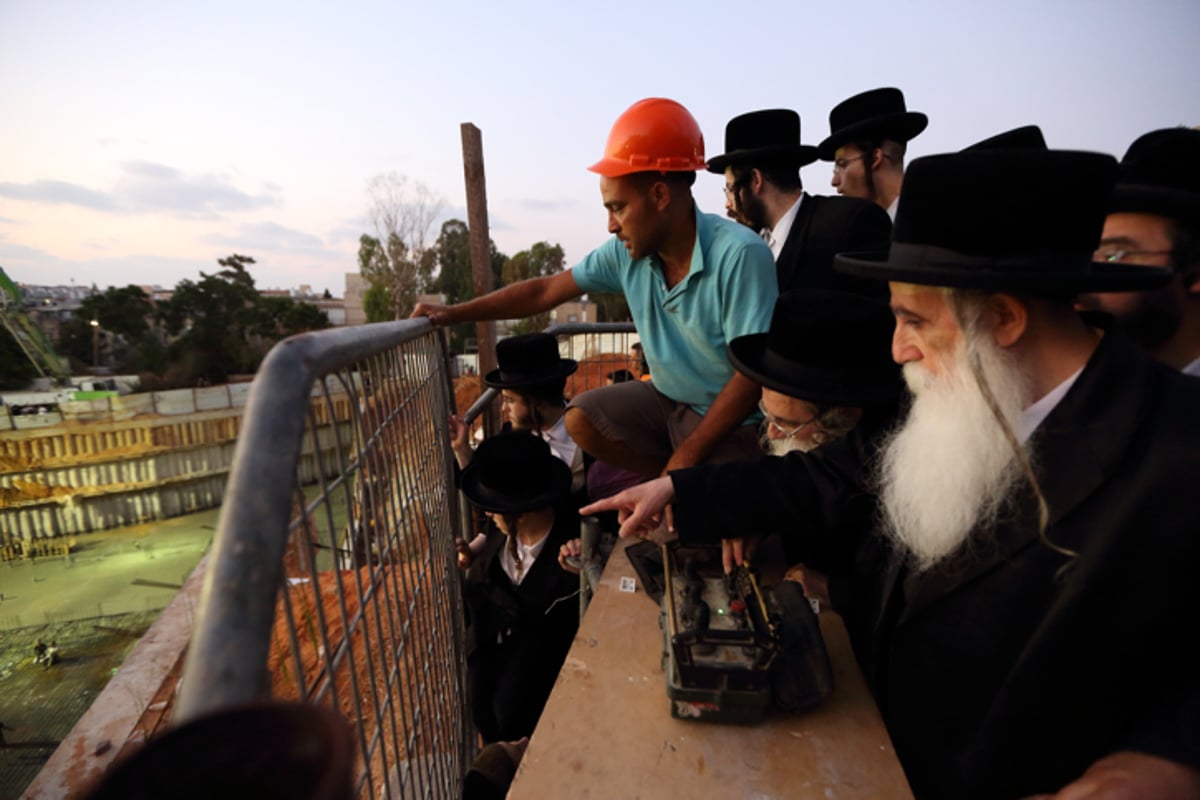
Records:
x=660, y=194
x=756, y=180
x=877, y=158
x=1007, y=319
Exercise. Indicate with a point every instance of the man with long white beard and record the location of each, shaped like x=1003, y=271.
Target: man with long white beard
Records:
x=1023, y=606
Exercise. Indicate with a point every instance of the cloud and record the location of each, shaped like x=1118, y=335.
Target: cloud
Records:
x=155, y=187
x=60, y=193
x=268, y=236
x=146, y=187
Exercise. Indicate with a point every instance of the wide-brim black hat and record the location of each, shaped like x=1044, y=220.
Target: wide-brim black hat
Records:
x=1160, y=175
x=1025, y=221
x=528, y=360
x=829, y=348
x=1027, y=137
x=515, y=472
x=877, y=114
x=771, y=136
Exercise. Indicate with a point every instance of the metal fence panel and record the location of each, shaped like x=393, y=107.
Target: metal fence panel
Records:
x=344, y=592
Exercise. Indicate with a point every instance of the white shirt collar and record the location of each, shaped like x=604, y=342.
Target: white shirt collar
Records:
x=1037, y=413
x=564, y=448
x=528, y=554
x=1192, y=368
x=891, y=210
x=777, y=236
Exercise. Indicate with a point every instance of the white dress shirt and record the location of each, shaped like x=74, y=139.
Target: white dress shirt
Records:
x=775, y=237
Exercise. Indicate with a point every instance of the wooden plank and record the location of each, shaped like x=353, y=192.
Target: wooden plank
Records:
x=607, y=730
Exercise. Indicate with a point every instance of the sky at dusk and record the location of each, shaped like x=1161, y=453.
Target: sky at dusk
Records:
x=142, y=141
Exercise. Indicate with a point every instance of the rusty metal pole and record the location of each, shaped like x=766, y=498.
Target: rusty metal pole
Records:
x=481, y=256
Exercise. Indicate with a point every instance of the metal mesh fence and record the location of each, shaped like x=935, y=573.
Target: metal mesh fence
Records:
x=332, y=579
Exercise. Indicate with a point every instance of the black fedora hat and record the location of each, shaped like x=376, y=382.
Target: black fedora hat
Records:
x=515, y=472
x=762, y=137
x=1024, y=221
x=528, y=360
x=830, y=348
x=877, y=114
x=1027, y=137
x=1160, y=174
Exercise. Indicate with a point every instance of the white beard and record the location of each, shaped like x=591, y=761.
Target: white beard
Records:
x=948, y=469
x=781, y=447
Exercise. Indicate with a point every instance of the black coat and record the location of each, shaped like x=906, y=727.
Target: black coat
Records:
x=998, y=674
x=519, y=635
x=823, y=227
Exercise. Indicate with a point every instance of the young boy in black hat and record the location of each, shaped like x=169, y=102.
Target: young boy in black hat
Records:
x=523, y=617
x=532, y=378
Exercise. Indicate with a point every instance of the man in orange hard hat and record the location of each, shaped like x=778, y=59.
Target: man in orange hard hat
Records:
x=693, y=282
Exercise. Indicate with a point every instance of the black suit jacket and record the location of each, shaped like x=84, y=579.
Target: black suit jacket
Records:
x=1011, y=668
x=825, y=226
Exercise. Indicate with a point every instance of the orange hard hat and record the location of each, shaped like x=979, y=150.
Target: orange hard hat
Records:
x=653, y=135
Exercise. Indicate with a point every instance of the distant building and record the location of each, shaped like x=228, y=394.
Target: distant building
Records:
x=352, y=301
x=574, y=311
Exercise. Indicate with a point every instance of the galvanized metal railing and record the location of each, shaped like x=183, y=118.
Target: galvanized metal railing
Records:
x=345, y=594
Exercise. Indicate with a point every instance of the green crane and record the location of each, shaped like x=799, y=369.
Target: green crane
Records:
x=28, y=335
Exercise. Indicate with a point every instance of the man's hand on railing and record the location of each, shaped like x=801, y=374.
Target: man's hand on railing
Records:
x=438, y=314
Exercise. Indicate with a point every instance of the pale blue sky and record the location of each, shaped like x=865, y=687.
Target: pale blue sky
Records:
x=141, y=141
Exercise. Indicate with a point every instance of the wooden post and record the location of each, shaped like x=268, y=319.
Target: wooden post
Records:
x=481, y=257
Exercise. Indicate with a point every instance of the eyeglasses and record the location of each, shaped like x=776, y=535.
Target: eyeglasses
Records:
x=1127, y=256
x=840, y=164
x=772, y=422
x=731, y=188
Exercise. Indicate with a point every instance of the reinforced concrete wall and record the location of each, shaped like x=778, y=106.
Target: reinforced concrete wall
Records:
x=105, y=463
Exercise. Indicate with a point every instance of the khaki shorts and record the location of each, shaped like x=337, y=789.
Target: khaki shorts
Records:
x=642, y=418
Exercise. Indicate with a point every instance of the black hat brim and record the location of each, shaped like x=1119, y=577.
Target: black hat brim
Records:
x=550, y=494
x=933, y=266
x=852, y=386
x=564, y=368
x=801, y=155
x=899, y=126
x=1160, y=201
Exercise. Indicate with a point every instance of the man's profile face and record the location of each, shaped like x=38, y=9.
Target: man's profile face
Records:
x=850, y=172
x=926, y=329
x=741, y=204
x=1150, y=316
x=633, y=213
x=514, y=408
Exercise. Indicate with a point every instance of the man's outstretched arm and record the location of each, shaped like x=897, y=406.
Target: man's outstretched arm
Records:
x=521, y=299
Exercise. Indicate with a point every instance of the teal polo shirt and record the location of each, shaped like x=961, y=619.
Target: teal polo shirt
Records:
x=729, y=291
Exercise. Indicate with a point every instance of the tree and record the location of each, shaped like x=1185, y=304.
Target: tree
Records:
x=448, y=260
x=212, y=319
x=123, y=311
x=401, y=213
x=377, y=304
x=611, y=307
x=537, y=262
